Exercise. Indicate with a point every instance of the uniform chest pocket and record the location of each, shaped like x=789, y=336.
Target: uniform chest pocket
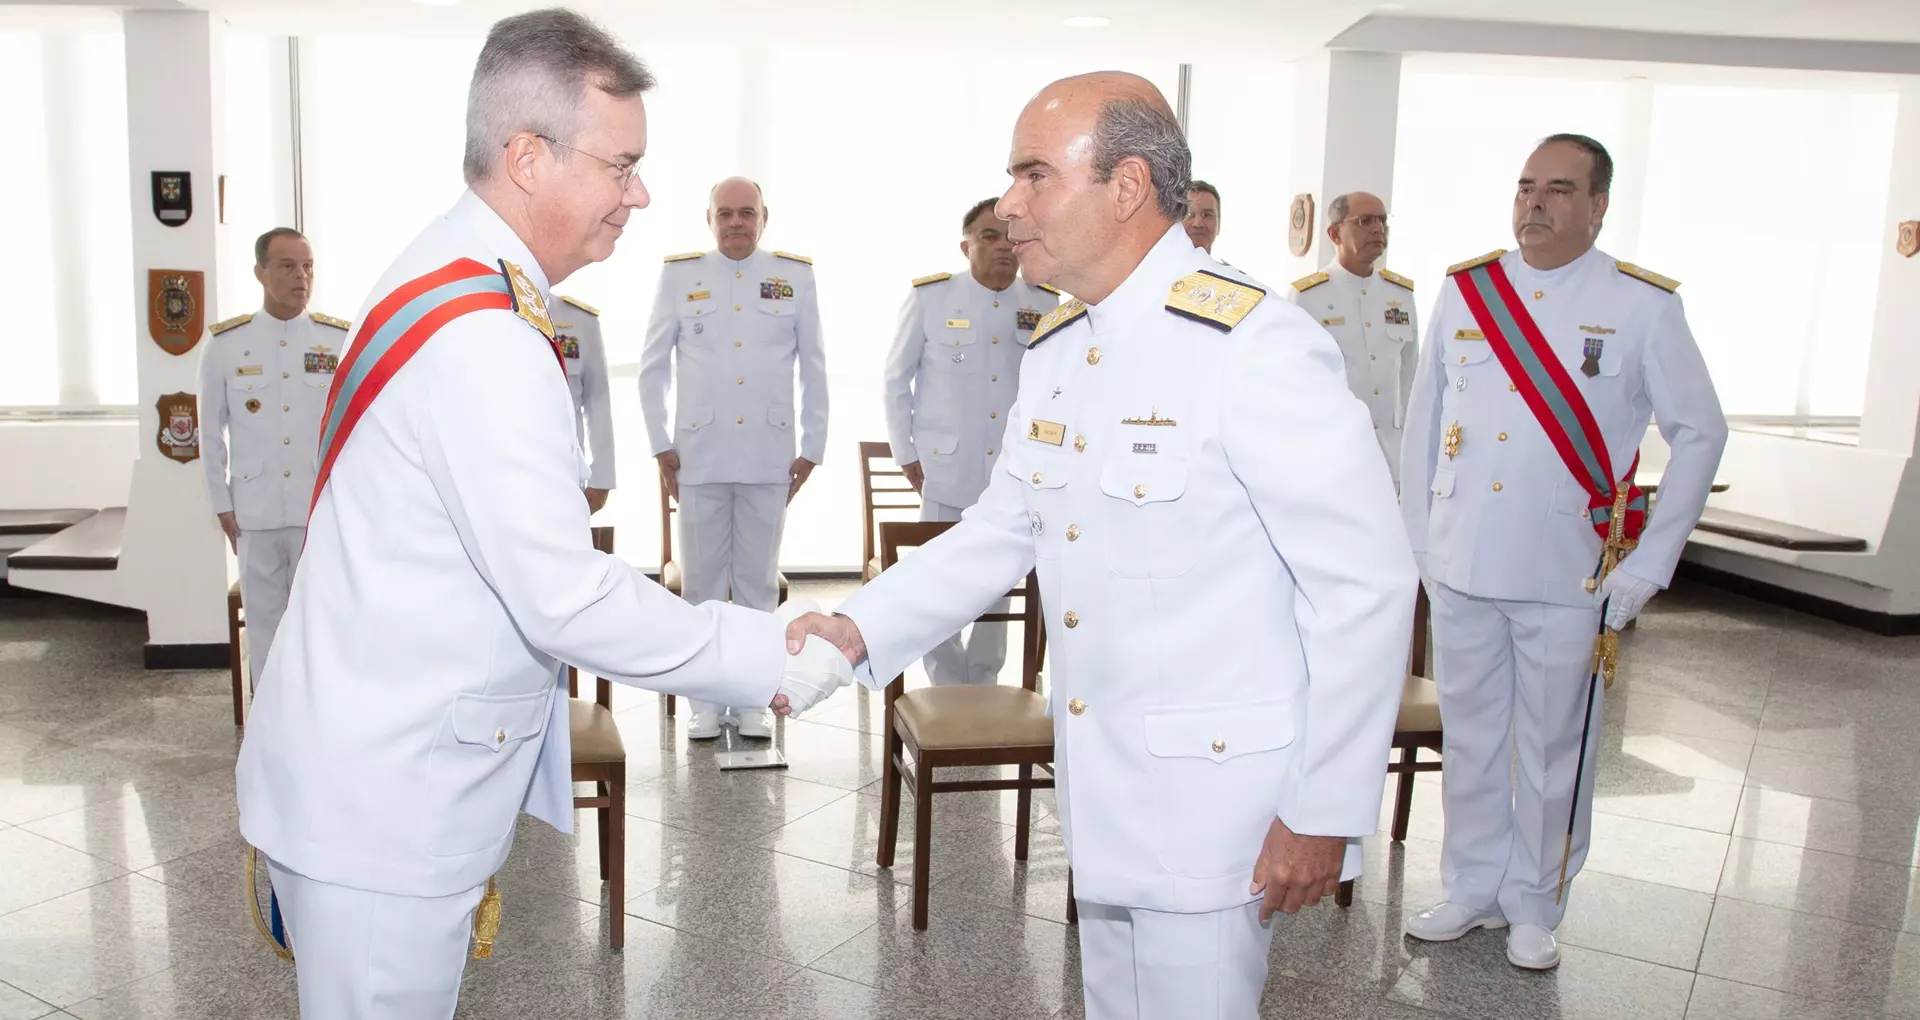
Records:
x=951, y=347
x=1149, y=524
x=697, y=320
x=1042, y=474
x=777, y=307
x=1467, y=352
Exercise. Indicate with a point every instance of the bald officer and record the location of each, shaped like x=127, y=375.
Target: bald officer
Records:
x=263, y=379
x=1369, y=310
x=950, y=377
x=1542, y=368
x=729, y=328
x=576, y=332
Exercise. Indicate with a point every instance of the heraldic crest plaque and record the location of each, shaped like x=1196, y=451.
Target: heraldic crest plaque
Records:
x=179, y=436
x=176, y=308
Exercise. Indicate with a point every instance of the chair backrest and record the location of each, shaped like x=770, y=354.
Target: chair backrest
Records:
x=891, y=492
x=896, y=536
x=666, y=525
x=602, y=687
x=1417, y=651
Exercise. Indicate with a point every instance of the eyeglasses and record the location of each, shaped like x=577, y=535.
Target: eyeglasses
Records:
x=628, y=171
x=1365, y=220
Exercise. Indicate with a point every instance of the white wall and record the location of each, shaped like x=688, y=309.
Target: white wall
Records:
x=57, y=464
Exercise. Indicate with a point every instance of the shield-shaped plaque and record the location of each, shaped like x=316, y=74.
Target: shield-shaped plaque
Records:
x=176, y=308
x=1300, y=224
x=1909, y=238
x=179, y=436
x=172, y=196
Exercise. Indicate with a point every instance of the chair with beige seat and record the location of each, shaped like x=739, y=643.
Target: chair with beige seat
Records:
x=1418, y=726
x=600, y=758
x=883, y=489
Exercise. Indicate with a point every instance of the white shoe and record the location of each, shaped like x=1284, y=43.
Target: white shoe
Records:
x=756, y=723
x=1532, y=947
x=705, y=724
x=1445, y=922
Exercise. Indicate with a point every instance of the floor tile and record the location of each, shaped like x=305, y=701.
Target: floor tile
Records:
x=1036, y=886
x=1650, y=711
x=1835, y=778
x=811, y=995
x=142, y=828
x=56, y=776
x=741, y=805
x=1472, y=978
x=1676, y=754
x=1658, y=853
x=38, y=869
x=1675, y=800
x=1714, y=999
x=846, y=834
x=1291, y=999
x=1831, y=885
x=1362, y=946
x=1885, y=834
x=18, y=1005
x=1639, y=920
x=570, y=864
x=1817, y=957
x=1827, y=728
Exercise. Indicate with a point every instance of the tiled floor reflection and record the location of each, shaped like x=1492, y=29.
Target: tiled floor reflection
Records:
x=1755, y=855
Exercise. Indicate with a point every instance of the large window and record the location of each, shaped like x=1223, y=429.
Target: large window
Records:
x=1239, y=121
x=258, y=163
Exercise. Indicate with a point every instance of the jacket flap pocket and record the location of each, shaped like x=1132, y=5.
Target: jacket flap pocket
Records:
x=1142, y=478
x=1468, y=352
x=1219, y=732
x=937, y=444
x=1034, y=468
x=697, y=415
x=496, y=721
x=779, y=417
x=245, y=470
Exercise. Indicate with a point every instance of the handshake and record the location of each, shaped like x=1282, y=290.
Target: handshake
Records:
x=820, y=653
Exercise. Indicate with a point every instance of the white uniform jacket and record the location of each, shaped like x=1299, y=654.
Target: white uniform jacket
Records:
x=576, y=328
x=1373, y=320
x=265, y=381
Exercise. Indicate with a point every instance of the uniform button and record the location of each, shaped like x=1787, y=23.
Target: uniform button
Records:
x=1220, y=746
x=989, y=453
x=500, y=736
x=1373, y=357
x=996, y=304
x=736, y=274
x=283, y=343
x=1497, y=486
x=993, y=378
x=1139, y=492
x=1073, y=619
x=286, y=474
x=1037, y=476
x=739, y=421
x=736, y=308
x=286, y=440
x=1079, y=444
x=1376, y=391
x=286, y=407
x=1093, y=355
x=740, y=382
x=994, y=415
x=1368, y=325
x=1073, y=532
x=996, y=339
x=284, y=375
x=736, y=343
x=1503, y=437
x=1076, y=706
x=1511, y=388
x=1538, y=294
x=1363, y=292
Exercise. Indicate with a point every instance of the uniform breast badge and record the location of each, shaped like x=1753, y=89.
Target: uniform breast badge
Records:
x=320, y=360
x=959, y=323
x=1026, y=318
x=1039, y=526
x=1591, y=349
x=569, y=346
x=1153, y=418
x=774, y=288
x=1451, y=445
x=1397, y=316
x=253, y=405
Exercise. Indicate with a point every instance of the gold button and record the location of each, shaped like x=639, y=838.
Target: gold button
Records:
x=1139, y=492
x=1511, y=388
x=1079, y=444
x=1076, y=706
x=736, y=308
x=283, y=375
x=283, y=343
x=1538, y=294
x=1503, y=437
x=740, y=381
x=736, y=274
x=1376, y=391
x=1373, y=357
x=1036, y=477
x=1073, y=532
x=996, y=339
x=500, y=736
x=1093, y=355
x=993, y=378
x=1363, y=292
x=989, y=453
x=1073, y=619
x=1368, y=325
x=739, y=421
x=286, y=440
x=996, y=304
x=1497, y=486
x=286, y=407
x=1219, y=747
x=995, y=415
x=286, y=474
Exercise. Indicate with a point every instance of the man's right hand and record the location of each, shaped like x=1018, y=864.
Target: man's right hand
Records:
x=670, y=472
x=916, y=475
x=838, y=630
x=231, y=525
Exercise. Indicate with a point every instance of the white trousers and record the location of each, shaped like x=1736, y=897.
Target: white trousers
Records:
x=730, y=542
x=267, y=559
x=1512, y=678
x=361, y=955
x=976, y=656
x=1147, y=965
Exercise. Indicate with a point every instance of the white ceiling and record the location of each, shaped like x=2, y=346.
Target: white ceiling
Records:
x=1860, y=20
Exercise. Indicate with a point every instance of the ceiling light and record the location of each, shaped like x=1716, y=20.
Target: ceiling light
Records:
x=1087, y=21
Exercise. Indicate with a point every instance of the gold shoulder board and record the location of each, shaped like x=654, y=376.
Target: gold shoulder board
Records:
x=1054, y=321
x=934, y=278
x=685, y=255
x=582, y=305
x=1460, y=267
x=1665, y=283
x=1213, y=300
x=226, y=324
x=1055, y=291
x=327, y=320
x=792, y=257
x=1307, y=283
x=527, y=302
x=1396, y=279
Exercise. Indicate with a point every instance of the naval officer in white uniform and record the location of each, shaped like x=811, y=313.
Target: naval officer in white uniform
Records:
x=263, y=379
x=951, y=376
x=729, y=329
x=576, y=330
x=1369, y=310
x=1501, y=529
x=1202, y=221
x=1229, y=597
x=415, y=702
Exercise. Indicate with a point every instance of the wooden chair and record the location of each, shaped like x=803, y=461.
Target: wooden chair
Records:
x=600, y=758
x=238, y=668
x=875, y=498
x=1417, y=727
x=944, y=727
x=672, y=578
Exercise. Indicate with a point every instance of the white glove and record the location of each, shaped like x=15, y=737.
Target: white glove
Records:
x=1624, y=595
x=817, y=671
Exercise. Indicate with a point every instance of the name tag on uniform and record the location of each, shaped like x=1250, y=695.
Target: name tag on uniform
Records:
x=1468, y=334
x=1047, y=432
x=699, y=295
x=959, y=323
x=247, y=370
x=1338, y=320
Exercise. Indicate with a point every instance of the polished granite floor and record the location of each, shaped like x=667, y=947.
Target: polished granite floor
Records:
x=1754, y=856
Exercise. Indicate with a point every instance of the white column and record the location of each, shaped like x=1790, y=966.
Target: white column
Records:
x=1888, y=415
x=172, y=562
x=1346, y=114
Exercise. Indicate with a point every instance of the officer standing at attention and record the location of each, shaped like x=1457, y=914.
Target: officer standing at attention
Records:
x=576, y=332
x=729, y=327
x=1228, y=597
x=1369, y=310
x=264, y=377
x=951, y=376
x=1203, y=215
x=1541, y=369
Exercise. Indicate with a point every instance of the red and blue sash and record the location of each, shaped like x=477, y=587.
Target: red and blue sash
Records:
x=1553, y=398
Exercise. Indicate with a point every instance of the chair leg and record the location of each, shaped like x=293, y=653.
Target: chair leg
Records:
x=234, y=665
x=606, y=830
x=615, y=824
x=1023, y=825
x=922, y=841
x=669, y=698
x=1403, y=799
x=1073, y=905
x=1344, y=897
x=889, y=802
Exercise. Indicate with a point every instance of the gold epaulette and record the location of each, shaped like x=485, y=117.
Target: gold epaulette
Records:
x=527, y=302
x=934, y=278
x=1212, y=299
x=1055, y=291
x=582, y=305
x=1054, y=321
x=327, y=320
x=1307, y=283
x=226, y=324
x=1665, y=283
x=685, y=255
x=1396, y=279
x=1460, y=267
x=792, y=257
